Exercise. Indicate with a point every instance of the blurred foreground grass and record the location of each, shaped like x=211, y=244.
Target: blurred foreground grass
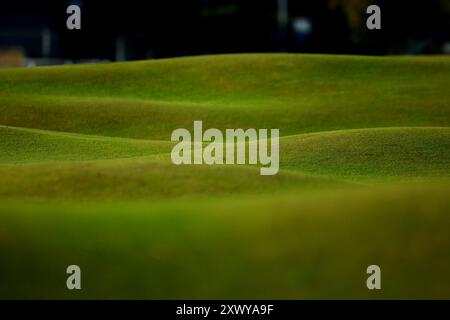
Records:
x=316, y=245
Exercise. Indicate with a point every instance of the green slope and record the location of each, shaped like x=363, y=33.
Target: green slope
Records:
x=21, y=145
x=295, y=93
x=364, y=179
x=370, y=153
x=365, y=155
x=121, y=180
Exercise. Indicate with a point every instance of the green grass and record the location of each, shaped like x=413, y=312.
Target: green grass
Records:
x=364, y=179
x=295, y=93
x=21, y=145
x=283, y=246
x=371, y=153
x=119, y=180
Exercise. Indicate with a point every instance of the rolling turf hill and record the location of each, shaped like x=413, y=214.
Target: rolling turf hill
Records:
x=364, y=179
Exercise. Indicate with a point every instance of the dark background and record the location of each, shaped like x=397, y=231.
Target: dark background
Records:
x=138, y=29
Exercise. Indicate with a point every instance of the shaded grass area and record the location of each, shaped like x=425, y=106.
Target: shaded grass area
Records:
x=286, y=246
x=119, y=180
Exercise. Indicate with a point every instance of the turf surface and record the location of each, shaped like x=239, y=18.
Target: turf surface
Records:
x=364, y=179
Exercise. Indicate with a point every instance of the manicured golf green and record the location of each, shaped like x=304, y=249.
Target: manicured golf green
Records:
x=364, y=179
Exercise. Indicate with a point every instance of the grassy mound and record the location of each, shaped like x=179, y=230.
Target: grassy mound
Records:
x=364, y=179
x=21, y=145
x=370, y=153
x=294, y=93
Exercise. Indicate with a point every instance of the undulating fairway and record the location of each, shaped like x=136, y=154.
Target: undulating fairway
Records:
x=87, y=179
